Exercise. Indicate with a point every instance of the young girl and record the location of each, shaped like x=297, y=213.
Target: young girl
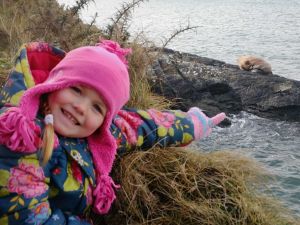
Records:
x=73, y=101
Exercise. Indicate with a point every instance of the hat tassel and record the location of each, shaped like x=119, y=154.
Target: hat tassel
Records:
x=17, y=132
x=104, y=194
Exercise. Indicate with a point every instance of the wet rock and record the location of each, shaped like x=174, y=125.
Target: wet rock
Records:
x=191, y=80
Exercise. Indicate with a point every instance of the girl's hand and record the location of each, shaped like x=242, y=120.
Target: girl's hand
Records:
x=202, y=124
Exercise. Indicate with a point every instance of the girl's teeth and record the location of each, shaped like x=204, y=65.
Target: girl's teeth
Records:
x=71, y=117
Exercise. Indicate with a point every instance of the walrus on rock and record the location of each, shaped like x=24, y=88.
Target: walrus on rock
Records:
x=254, y=64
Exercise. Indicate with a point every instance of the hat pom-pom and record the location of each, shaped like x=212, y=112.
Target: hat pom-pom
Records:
x=115, y=48
x=104, y=194
x=17, y=132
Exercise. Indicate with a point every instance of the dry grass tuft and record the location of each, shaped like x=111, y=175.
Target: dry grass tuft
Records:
x=139, y=64
x=5, y=67
x=24, y=21
x=179, y=186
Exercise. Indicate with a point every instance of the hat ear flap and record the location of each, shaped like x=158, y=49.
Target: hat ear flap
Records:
x=19, y=133
x=103, y=148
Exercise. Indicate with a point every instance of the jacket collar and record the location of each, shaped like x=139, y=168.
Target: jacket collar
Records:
x=78, y=150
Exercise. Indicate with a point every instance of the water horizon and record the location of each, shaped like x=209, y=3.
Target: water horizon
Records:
x=225, y=29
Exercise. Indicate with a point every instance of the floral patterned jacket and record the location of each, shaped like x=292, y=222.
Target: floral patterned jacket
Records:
x=61, y=191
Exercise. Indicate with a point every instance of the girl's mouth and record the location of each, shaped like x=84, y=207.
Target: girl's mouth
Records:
x=70, y=117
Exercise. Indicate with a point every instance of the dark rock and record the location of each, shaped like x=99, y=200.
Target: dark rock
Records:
x=214, y=86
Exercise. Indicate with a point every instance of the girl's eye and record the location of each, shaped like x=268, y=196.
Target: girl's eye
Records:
x=97, y=108
x=76, y=89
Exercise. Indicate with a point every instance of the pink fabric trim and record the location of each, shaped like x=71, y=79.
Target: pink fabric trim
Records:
x=115, y=48
x=104, y=194
x=17, y=132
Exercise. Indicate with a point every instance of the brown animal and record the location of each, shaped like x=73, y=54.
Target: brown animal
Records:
x=254, y=64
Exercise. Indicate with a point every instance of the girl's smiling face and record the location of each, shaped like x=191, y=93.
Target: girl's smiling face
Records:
x=78, y=111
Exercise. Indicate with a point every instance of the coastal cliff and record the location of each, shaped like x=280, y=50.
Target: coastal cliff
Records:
x=216, y=86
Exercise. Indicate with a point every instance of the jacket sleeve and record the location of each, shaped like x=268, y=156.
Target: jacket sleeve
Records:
x=24, y=191
x=143, y=129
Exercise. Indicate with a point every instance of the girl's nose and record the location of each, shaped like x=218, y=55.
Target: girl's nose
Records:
x=80, y=107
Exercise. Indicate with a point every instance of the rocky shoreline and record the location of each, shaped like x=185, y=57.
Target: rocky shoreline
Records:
x=216, y=86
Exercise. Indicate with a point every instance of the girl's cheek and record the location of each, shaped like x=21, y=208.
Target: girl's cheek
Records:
x=95, y=122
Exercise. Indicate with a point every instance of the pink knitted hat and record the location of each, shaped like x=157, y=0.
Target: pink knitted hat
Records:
x=101, y=67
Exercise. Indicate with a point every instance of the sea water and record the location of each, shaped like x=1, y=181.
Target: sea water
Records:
x=227, y=29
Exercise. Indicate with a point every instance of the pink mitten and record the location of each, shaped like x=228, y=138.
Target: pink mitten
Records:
x=202, y=124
